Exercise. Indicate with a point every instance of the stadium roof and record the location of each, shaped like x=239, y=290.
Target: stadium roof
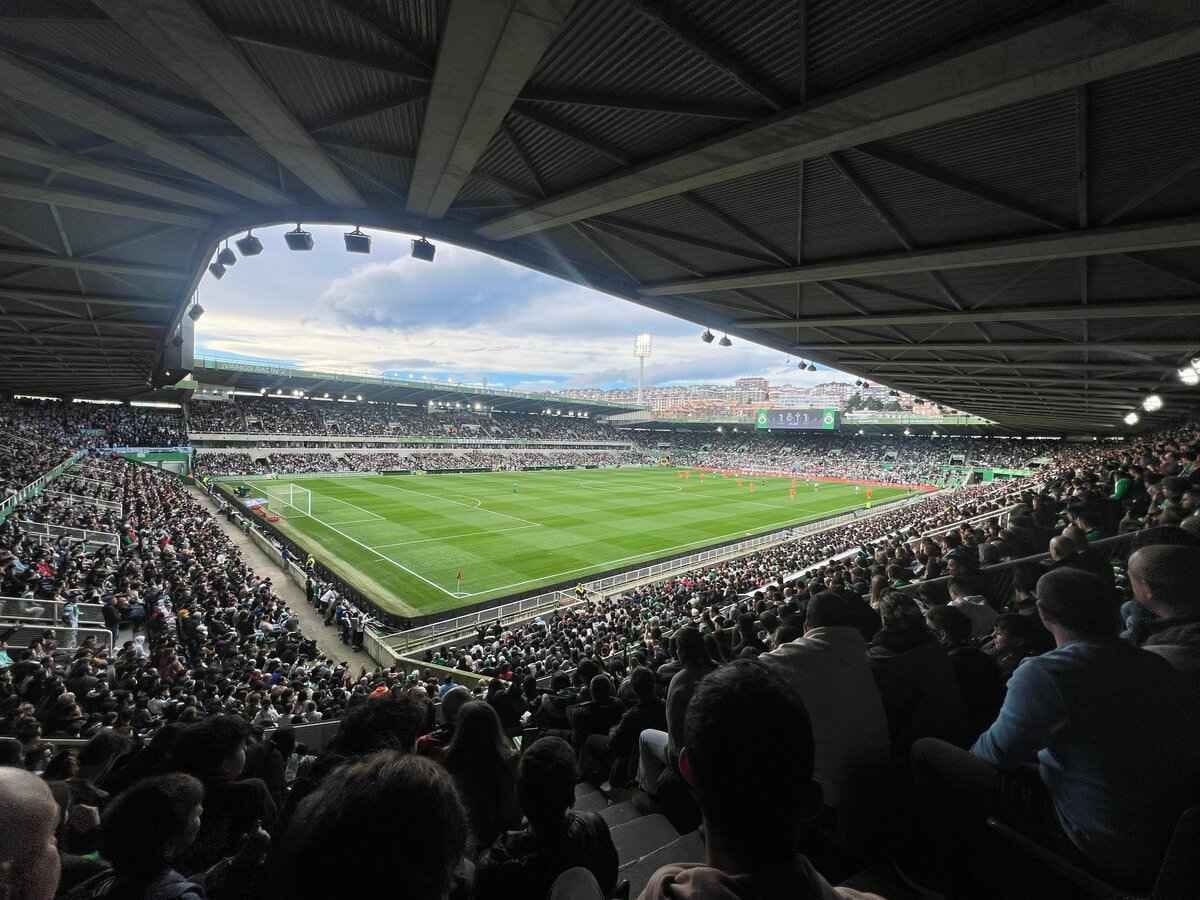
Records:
x=240, y=376
x=994, y=205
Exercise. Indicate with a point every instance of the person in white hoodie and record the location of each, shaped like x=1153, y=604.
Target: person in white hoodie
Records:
x=973, y=605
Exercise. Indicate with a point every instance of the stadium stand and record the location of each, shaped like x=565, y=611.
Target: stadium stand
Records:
x=195, y=666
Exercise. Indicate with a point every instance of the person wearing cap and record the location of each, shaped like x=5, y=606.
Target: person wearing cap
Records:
x=1113, y=730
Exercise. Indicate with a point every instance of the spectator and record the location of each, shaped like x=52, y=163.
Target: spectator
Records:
x=484, y=770
x=29, y=864
x=610, y=760
x=351, y=837
x=756, y=792
x=1113, y=730
x=526, y=863
x=915, y=677
x=978, y=676
x=828, y=668
x=434, y=743
x=658, y=752
x=1165, y=581
x=965, y=597
x=597, y=715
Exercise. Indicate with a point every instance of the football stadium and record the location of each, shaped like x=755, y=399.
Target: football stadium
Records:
x=599, y=449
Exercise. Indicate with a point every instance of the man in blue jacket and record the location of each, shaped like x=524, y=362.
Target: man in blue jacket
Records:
x=1114, y=734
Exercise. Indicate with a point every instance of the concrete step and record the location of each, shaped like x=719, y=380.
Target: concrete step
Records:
x=643, y=836
x=686, y=849
x=588, y=799
x=620, y=813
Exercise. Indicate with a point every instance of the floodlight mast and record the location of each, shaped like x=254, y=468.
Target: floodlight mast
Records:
x=641, y=349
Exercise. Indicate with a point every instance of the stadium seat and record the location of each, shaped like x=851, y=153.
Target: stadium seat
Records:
x=1178, y=877
x=588, y=799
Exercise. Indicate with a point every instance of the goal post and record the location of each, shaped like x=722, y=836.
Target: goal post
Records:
x=289, y=499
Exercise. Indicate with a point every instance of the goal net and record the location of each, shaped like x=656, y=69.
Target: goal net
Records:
x=289, y=500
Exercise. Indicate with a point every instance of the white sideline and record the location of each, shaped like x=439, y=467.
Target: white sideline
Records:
x=447, y=537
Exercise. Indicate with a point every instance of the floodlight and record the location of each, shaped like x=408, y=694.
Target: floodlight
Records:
x=1153, y=403
x=812, y=367
x=227, y=257
x=725, y=341
x=803, y=364
x=262, y=391
x=1189, y=376
x=218, y=270
x=357, y=241
x=1196, y=363
x=249, y=245
x=706, y=336
x=197, y=311
x=423, y=250
x=1132, y=418
x=907, y=432
x=298, y=239
x=360, y=397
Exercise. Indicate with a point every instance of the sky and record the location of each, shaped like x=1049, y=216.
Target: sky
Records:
x=465, y=317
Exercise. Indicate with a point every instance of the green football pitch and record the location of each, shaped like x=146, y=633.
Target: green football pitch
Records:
x=404, y=539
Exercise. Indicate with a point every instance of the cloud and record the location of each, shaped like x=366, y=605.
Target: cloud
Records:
x=466, y=315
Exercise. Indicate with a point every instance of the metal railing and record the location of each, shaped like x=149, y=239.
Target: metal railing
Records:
x=67, y=638
x=113, y=505
x=48, y=611
x=87, y=535
x=36, y=486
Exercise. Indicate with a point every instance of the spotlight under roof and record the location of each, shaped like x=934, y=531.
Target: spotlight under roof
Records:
x=357, y=241
x=249, y=245
x=725, y=341
x=1132, y=418
x=1152, y=403
x=706, y=336
x=227, y=257
x=195, y=312
x=423, y=250
x=218, y=270
x=299, y=239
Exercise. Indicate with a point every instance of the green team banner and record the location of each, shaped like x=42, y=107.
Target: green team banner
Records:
x=796, y=419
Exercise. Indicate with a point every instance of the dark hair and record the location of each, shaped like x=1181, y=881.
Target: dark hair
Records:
x=1077, y=600
x=641, y=680
x=104, y=747
x=385, y=723
x=828, y=610
x=1171, y=572
x=478, y=739
x=750, y=750
x=951, y=622
x=140, y=825
x=689, y=647
x=1015, y=625
x=204, y=746
x=601, y=687
x=363, y=822
x=546, y=783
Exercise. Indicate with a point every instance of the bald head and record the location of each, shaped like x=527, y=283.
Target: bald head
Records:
x=1062, y=547
x=29, y=864
x=1165, y=579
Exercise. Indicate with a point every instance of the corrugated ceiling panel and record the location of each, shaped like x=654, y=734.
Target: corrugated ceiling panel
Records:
x=397, y=129
x=766, y=203
x=158, y=112
x=1056, y=281
x=560, y=161
x=318, y=90
x=837, y=222
x=28, y=225
x=101, y=44
x=1125, y=278
x=1027, y=152
x=1143, y=127
x=932, y=213
x=608, y=47
x=765, y=36
x=850, y=40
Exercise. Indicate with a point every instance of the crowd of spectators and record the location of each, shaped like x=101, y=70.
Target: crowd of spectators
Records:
x=424, y=461
x=870, y=675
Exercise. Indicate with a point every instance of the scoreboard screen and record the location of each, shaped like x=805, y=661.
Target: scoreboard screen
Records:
x=796, y=419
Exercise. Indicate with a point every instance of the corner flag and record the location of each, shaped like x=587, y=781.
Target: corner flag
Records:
x=459, y=578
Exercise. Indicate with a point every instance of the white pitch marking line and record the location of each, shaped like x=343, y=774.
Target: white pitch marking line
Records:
x=452, y=536
x=432, y=584
x=603, y=566
x=477, y=505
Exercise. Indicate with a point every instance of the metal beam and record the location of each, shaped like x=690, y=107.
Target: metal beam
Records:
x=884, y=368
x=39, y=319
x=44, y=294
x=1072, y=245
x=1148, y=346
x=662, y=105
x=36, y=192
x=1124, y=386
x=108, y=266
x=187, y=43
x=307, y=46
x=18, y=148
x=31, y=85
x=1060, y=54
x=1139, y=309
x=488, y=52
